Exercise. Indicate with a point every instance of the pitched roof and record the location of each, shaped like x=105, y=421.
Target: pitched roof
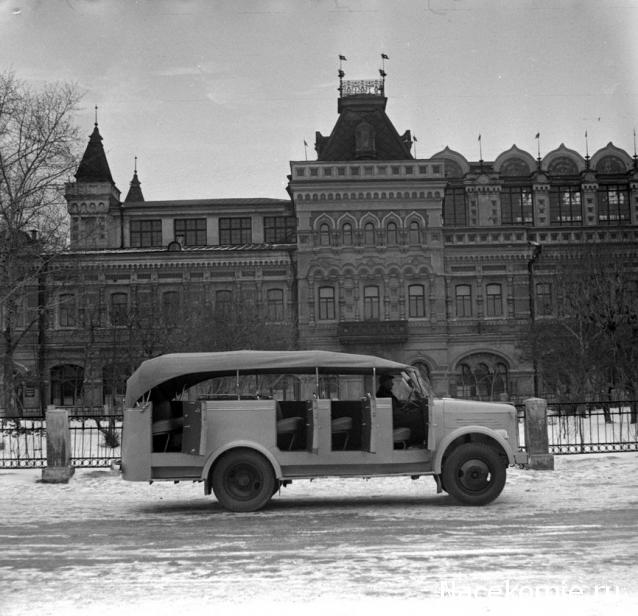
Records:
x=94, y=166
x=363, y=114
x=135, y=191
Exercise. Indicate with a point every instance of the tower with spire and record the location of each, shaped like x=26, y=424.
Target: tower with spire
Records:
x=93, y=199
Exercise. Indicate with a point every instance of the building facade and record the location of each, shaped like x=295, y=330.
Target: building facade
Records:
x=434, y=262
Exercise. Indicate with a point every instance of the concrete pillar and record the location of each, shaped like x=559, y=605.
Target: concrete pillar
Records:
x=536, y=438
x=58, y=468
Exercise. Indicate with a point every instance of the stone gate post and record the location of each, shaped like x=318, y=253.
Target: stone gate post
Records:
x=536, y=437
x=58, y=468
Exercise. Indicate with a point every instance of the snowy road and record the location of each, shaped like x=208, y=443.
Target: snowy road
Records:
x=99, y=545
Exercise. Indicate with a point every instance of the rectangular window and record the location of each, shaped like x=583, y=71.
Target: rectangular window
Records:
x=326, y=304
x=235, y=231
x=67, y=311
x=191, y=230
x=517, y=206
x=280, y=229
x=613, y=205
x=371, y=304
x=145, y=233
x=463, y=297
x=170, y=308
x=543, y=299
x=565, y=206
x=119, y=309
x=416, y=301
x=275, y=305
x=494, y=300
x=454, y=208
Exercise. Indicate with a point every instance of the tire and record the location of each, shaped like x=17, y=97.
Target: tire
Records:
x=474, y=474
x=243, y=480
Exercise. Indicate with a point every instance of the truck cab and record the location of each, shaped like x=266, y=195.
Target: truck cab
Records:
x=246, y=423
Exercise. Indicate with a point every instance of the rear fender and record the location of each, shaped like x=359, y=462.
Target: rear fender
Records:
x=465, y=431
x=213, y=456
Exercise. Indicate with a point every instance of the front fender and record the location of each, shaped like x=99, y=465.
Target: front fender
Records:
x=448, y=438
x=243, y=444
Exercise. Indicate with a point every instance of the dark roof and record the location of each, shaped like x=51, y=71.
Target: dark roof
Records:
x=217, y=202
x=367, y=111
x=94, y=166
x=135, y=191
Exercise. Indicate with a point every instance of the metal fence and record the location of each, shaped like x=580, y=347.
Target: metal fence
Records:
x=95, y=441
x=589, y=427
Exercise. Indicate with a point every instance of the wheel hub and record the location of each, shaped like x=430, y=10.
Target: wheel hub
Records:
x=474, y=475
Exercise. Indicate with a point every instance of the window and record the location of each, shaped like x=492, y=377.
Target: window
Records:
x=517, y=205
x=66, y=385
x=565, y=205
x=170, y=307
x=119, y=309
x=275, y=304
x=324, y=235
x=543, y=299
x=223, y=302
x=415, y=232
x=326, y=303
x=368, y=234
x=280, y=229
x=371, y=303
x=192, y=231
x=482, y=376
x=463, y=295
x=494, y=300
x=67, y=310
x=146, y=233
x=235, y=231
x=392, y=234
x=613, y=205
x=454, y=208
x=416, y=301
x=346, y=234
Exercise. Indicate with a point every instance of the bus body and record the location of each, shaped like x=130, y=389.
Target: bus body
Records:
x=249, y=422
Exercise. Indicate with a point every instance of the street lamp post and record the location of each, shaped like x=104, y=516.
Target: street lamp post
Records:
x=536, y=251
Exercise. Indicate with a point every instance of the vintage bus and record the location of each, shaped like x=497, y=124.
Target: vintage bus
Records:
x=247, y=423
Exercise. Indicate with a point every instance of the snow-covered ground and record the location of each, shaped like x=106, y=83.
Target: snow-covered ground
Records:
x=553, y=542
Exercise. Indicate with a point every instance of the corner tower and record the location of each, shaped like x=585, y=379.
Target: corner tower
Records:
x=93, y=200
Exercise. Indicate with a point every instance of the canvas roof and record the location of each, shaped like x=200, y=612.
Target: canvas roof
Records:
x=186, y=369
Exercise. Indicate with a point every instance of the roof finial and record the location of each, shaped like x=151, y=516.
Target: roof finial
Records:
x=382, y=72
x=635, y=153
x=95, y=115
x=538, y=143
x=341, y=73
x=135, y=167
x=586, y=151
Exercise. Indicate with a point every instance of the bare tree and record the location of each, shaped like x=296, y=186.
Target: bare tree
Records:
x=38, y=150
x=589, y=346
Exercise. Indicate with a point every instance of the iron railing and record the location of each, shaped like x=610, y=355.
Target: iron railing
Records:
x=95, y=441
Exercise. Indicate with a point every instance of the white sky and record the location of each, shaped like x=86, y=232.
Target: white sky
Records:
x=215, y=97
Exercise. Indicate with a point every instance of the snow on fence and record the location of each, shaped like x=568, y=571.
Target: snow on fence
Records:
x=95, y=441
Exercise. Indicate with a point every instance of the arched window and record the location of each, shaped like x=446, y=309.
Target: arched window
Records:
x=66, y=385
x=416, y=301
x=368, y=234
x=371, y=307
x=415, y=232
x=494, y=300
x=463, y=297
x=119, y=309
x=326, y=303
x=346, y=234
x=424, y=370
x=482, y=376
x=67, y=310
x=392, y=235
x=275, y=304
x=324, y=234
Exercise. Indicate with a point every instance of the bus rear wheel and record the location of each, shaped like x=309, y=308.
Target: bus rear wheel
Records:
x=474, y=474
x=243, y=480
